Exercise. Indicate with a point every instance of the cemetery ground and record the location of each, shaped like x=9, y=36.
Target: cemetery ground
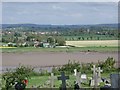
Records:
x=44, y=80
x=37, y=81
x=40, y=80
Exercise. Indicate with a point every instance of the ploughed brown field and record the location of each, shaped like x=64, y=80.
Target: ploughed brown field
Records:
x=53, y=58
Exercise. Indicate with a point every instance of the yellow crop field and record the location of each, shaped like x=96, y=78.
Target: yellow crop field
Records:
x=97, y=43
x=6, y=47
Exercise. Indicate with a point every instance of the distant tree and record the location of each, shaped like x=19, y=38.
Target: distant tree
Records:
x=83, y=38
x=91, y=37
x=79, y=38
x=17, y=34
x=98, y=38
x=3, y=39
x=87, y=38
x=60, y=41
x=50, y=40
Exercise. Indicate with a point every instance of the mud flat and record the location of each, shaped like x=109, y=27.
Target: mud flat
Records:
x=53, y=58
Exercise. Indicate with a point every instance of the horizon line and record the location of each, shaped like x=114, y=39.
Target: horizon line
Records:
x=60, y=24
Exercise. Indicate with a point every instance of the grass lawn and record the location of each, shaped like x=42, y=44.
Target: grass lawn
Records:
x=41, y=80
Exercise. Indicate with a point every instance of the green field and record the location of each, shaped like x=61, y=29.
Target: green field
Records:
x=70, y=49
x=96, y=45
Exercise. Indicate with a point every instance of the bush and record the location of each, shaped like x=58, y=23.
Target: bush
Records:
x=69, y=68
x=108, y=65
x=18, y=75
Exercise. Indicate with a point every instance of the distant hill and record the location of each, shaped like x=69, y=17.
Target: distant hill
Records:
x=37, y=26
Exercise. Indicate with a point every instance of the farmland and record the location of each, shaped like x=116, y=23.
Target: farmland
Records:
x=97, y=43
x=71, y=46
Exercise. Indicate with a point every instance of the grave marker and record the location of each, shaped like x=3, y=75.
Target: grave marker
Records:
x=52, y=80
x=94, y=81
x=115, y=81
x=63, y=78
x=78, y=79
x=75, y=72
x=94, y=70
x=83, y=78
x=99, y=74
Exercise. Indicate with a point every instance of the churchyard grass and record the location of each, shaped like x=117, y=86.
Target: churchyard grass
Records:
x=40, y=80
x=37, y=80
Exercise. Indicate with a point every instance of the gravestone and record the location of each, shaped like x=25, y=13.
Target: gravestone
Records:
x=115, y=81
x=63, y=78
x=75, y=72
x=99, y=74
x=94, y=70
x=52, y=78
x=94, y=81
x=83, y=78
x=77, y=75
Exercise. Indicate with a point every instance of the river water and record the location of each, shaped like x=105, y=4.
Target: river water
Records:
x=49, y=59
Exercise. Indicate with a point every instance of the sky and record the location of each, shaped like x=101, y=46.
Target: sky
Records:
x=59, y=13
x=60, y=0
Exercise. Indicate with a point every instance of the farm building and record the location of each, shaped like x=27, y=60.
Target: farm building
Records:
x=46, y=45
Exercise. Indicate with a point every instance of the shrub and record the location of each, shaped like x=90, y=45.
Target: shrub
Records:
x=18, y=75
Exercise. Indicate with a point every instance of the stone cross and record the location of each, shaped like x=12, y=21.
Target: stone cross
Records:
x=96, y=80
x=63, y=78
x=78, y=79
x=94, y=70
x=95, y=77
x=52, y=80
x=99, y=74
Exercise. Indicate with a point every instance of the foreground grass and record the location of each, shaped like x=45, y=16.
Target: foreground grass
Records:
x=40, y=80
x=37, y=81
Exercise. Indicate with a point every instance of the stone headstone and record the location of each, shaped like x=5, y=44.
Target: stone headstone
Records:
x=96, y=80
x=115, y=80
x=78, y=79
x=92, y=83
x=94, y=70
x=75, y=72
x=83, y=77
x=95, y=77
x=63, y=78
x=99, y=74
x=52, y=80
